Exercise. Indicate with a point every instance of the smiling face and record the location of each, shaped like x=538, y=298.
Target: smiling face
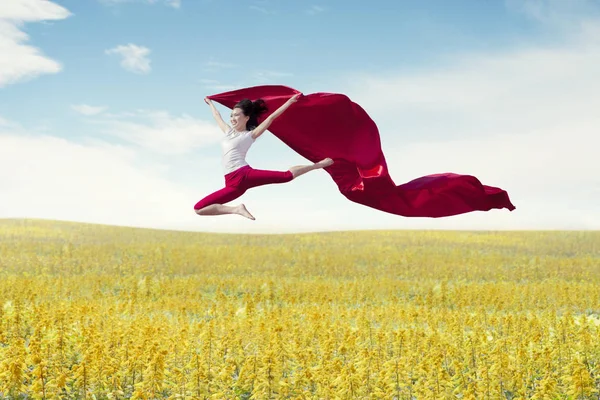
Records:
x=238, y=119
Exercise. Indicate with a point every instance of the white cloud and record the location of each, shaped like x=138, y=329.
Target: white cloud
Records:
x=121, y=185
x=556, y=13
x=269, y=76
x=174, y=3
x=32, y=11
x=213, y=65
x=20, y=61
x=4, y=122
x=213, y=84
x=134, y=58
x=90, y=183
x=262, y=6
x=160, y=132
x=313, y=10
x=517, y=90
x=217, y=64
x=260, y=9
x=256, y=78
x=169, y=3
x=88, y=110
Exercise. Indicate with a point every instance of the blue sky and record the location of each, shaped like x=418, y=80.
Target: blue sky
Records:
x=102, y=118
x=248, y=43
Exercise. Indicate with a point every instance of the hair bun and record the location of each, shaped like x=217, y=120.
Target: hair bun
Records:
x=259, y=107
x=252, y=109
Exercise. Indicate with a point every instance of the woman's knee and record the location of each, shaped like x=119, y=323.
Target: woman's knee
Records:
x=289, y=175
x=200, y=205
x=222, y=196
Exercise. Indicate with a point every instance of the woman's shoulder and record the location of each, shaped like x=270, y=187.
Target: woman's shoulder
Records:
x=232, y=133
x=250, y=134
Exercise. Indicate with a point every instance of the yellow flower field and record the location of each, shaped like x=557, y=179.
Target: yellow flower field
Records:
x=89, y=311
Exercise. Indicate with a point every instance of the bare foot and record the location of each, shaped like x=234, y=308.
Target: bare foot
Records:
x=241, y=209
x=324, y=163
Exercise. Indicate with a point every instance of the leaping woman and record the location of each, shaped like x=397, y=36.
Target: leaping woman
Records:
x=239, y=175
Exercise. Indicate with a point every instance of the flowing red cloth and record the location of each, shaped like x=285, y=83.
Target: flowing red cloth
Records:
x=321, y=125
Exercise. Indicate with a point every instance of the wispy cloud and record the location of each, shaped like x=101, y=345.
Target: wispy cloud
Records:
x=88, y=110
x=313, y=10
x=6, y=124
x=169, y=3
x=256, y=78
x=158, y=131
x=89, y=182
x=214, y=64
x=270, y=76
x=213, y=84
x=260, y=9
x=19, y=61
x=217, y=64
x=262, y=6
x=557, y=13
x=208, y=81
x=174, y=3
x=133, y=58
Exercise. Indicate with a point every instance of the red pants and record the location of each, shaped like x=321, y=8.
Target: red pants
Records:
x=240, y=180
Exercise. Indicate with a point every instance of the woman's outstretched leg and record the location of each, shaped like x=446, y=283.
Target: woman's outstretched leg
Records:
x=302, y=169
x=260, y=177
x=213, y=203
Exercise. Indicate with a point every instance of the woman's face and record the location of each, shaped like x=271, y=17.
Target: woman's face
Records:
x=238, y=119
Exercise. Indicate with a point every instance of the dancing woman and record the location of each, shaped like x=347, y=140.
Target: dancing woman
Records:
x=239, y=175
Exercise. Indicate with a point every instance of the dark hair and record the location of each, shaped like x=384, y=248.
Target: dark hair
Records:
x=252, y=109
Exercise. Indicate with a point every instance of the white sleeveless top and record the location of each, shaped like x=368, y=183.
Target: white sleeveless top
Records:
x=235, y=147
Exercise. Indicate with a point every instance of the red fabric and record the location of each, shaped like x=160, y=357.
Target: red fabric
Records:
x=321, y=125
x=240, y=180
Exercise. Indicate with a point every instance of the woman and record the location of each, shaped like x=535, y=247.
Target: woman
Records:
x=239, y=176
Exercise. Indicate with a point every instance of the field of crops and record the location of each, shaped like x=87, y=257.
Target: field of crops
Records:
x=90, y=311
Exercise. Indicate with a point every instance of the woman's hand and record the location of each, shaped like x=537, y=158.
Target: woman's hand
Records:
x=217, y=115
x=294, y=98
x=267, y=122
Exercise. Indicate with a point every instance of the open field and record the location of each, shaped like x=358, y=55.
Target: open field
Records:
x=131, y=313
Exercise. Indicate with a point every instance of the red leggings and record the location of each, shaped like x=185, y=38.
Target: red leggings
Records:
x=240, y=180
